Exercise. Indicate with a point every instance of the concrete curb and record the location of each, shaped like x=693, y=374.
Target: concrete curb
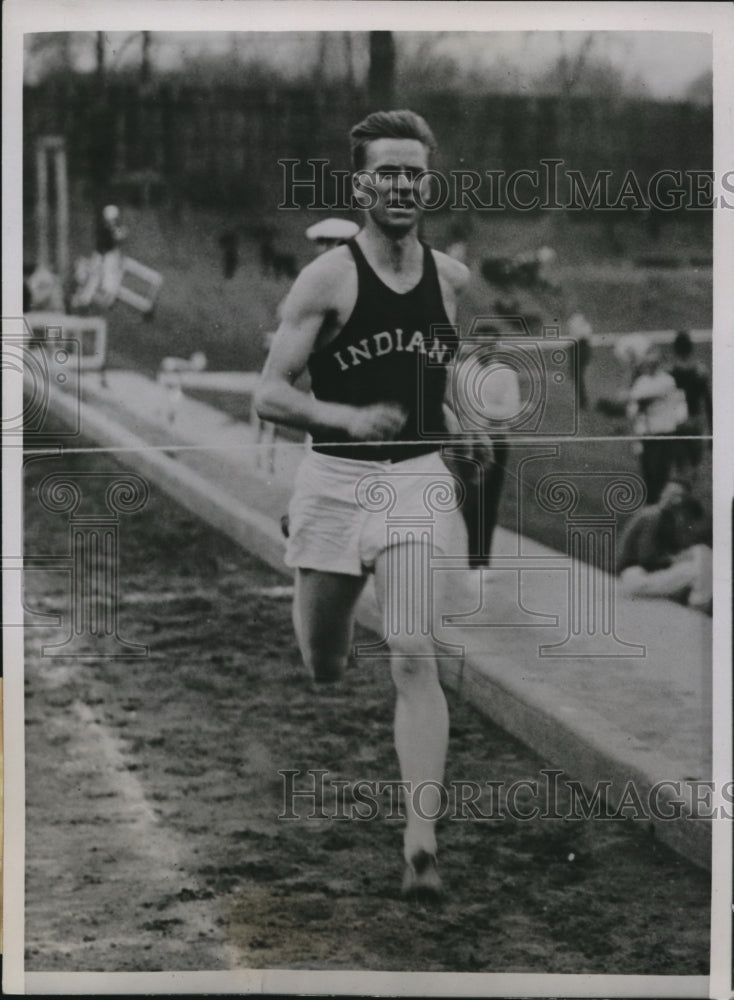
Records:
x=257, y=533
x=575, y=737
x=583, y=743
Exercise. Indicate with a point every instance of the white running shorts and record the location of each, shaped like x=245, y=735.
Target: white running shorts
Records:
x=344, y=512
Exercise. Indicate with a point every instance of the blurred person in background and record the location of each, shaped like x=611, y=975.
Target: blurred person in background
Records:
x=692, y=379
x=97, y=278
x=110, y=236
x=42, y=291
x=481, y=463
x=656, y=408
x=579, y=329
x=665, y=551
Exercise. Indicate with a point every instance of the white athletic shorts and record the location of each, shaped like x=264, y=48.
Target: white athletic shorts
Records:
x=344, y=512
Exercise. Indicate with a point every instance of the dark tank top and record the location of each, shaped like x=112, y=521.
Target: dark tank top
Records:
x=394, y=348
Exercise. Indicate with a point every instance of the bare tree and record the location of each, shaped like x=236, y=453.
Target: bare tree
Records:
x=570, y=69
x=145, y=73
x=587, y=71
x=319, y=70
x=381, y=78
x=100, y=44
x=351, y=76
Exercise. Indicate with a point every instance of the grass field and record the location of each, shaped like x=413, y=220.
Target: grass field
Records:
x=198, y=309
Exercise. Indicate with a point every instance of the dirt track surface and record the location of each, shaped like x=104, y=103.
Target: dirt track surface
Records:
x=153, y=796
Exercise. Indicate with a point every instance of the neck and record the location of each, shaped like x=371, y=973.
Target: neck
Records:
x=396, y=252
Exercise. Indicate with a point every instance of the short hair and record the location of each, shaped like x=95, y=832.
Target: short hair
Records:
x=388, y=125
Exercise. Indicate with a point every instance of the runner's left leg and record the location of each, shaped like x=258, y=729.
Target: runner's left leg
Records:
x=421, y=713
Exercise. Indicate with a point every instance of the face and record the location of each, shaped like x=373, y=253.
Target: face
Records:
x=389, y=173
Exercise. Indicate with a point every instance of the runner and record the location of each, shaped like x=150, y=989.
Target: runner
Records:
x=369, y=321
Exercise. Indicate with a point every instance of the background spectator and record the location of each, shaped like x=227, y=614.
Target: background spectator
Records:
x=692, y=379
x=656, y=407
x=579, y=329
x=665, y=551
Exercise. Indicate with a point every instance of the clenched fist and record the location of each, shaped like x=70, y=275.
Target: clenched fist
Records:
x=377, y=422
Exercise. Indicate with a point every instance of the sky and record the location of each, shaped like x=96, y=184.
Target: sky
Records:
x=666, y=63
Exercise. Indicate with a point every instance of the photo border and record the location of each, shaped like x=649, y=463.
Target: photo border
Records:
x=251, y=15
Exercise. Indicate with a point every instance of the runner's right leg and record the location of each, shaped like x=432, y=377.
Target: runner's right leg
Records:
x=323, y=618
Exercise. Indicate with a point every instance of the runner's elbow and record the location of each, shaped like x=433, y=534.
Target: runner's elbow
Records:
x=273, y=399
x=263, y=399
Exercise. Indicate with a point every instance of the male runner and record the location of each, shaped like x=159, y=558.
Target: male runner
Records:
x=366, y=319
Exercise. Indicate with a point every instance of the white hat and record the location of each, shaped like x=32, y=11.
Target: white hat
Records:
x=110, y=213
x=332, y=229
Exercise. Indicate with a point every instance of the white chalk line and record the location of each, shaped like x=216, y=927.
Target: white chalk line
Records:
x=143, y=832
x=159, y=842
x=178, y=596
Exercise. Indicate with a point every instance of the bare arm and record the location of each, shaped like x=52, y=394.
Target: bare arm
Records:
x=305, y=311
x=454, y=277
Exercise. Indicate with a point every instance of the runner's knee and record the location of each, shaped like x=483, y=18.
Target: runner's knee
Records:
x=414, y=673
x=324, y=665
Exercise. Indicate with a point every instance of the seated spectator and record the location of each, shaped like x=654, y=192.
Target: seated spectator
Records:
x=665, y=551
